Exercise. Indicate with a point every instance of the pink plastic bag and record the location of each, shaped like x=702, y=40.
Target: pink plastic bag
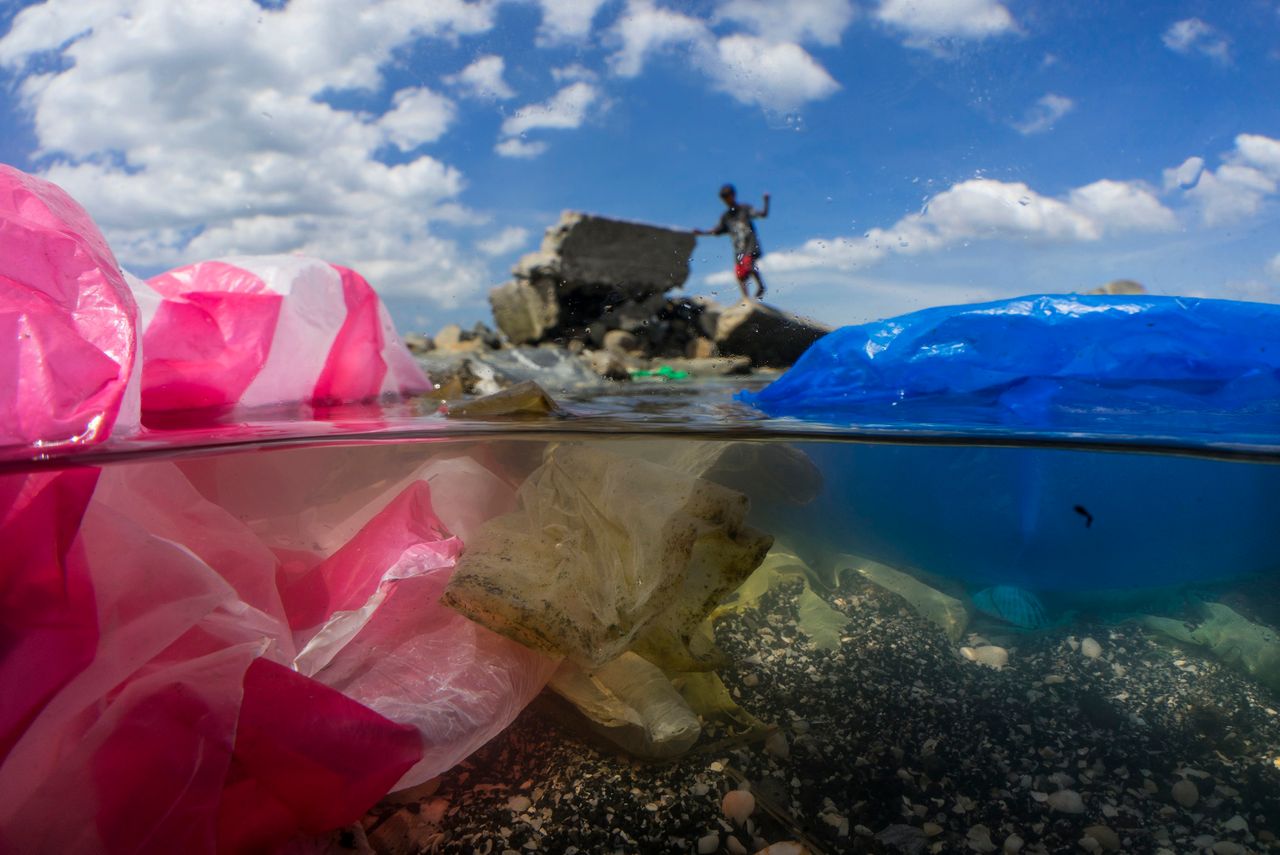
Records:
x=173, y=687
x=68, y=341
x=268, y=330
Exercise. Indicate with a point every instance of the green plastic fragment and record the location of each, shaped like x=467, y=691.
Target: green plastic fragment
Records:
x=665, y=372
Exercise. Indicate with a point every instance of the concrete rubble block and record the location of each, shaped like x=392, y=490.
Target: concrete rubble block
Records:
x=621, y=342
x=607, y=364
x=583, y=248
x=771, y=338
x=525, y=311
x=703, y=348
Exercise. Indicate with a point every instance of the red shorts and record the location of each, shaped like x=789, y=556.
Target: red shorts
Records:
x=742, y=269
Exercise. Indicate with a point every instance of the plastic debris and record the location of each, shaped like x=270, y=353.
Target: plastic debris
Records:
x=1197, y=370
x=1013, y=605
x=259, y=330
x=69, y=343
x=633, y=704
x=229, y=674
x=1233, y=638
x=662, y=372
x=605, y=544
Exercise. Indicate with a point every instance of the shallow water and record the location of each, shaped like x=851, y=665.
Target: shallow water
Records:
x=855, y=703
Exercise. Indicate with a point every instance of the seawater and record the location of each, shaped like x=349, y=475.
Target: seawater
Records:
x=898, y=564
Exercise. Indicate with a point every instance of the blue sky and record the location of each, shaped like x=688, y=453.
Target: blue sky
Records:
x=918, y=151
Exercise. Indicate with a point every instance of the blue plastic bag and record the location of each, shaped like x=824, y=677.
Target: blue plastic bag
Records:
x=1188, y=370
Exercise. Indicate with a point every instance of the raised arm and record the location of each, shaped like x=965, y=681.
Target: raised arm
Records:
x=764, y=210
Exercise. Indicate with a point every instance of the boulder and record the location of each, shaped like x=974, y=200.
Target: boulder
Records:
x=621, y=342
x=607, y=364
x=639, y=259
x=417, y=342
x=701, y=348
x=525, y=311
x=768, y=336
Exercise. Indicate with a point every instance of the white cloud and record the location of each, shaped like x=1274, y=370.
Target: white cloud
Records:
x=820, y=21
x=927, y=21
x=1248, y=176
x=566, y=20
x=566, y=109
x=1045, y=114
x=483, y=79
x=779, y=77
x=418, y=116
x=572, y=73
x=644, y=29
x=1185, y=175
x=508, y=240
x=1122, y=206
x=986, y=209
x=1273, y=267
x=194, y=130
x=1192, y=35
x=516, y=147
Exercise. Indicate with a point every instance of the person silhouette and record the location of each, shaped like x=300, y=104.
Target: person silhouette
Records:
x=736, y=221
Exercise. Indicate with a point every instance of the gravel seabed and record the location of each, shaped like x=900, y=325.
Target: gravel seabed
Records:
x=893, y=743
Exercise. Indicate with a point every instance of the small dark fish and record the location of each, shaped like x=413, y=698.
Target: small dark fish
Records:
x=1088, y=517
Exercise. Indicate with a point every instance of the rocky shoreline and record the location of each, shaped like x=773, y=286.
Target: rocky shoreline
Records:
x=1093, y=738
x=599, y=294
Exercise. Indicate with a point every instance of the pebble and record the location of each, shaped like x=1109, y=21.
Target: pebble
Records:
x=1090, y=648
x=1066, y=801
x=988, y=654
x=1185, y=793
x=1106, y=838
x=708, y=843
x=735, y=846
x=1226, y=847
x=1012, y=844
x=777, y=745
x=785, y=847
x=518, y=804
x=737, y=805
x=1236, y=823
x=979, y=839
x=931, y=829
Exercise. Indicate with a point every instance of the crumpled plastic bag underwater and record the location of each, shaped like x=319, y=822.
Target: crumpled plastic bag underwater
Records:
x=1191, y=369
x=153, y=694
x=597, y=556
x=260, y=330
x=68, y=321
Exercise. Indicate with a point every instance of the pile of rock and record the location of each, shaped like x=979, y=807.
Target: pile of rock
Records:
x=603, y=284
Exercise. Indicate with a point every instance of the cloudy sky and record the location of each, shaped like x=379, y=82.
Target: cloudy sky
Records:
x=917, y=151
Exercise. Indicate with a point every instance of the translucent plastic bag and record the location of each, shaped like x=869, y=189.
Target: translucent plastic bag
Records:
x=68, y=341
x=606, y=552
x=268, y=330
x=175, y=687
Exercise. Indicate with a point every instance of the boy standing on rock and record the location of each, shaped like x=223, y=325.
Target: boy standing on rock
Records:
x=736, y=221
